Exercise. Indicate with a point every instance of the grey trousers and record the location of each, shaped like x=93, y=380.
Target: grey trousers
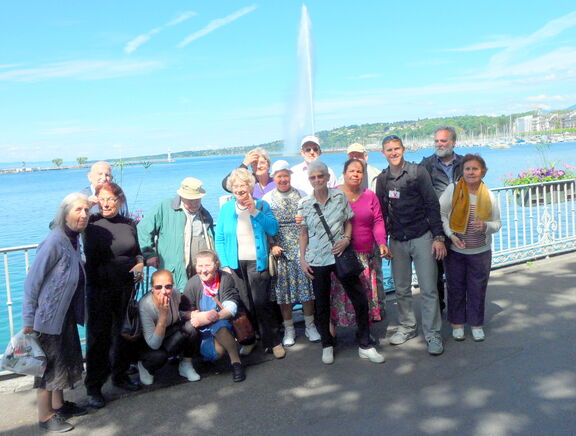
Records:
x=419, y=251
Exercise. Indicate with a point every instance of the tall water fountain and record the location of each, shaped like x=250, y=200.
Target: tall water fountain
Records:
x=300, y=114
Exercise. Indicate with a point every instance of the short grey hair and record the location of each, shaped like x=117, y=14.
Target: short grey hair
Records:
x=66, y=206
x=316, y=166
x=262, y=152
x=450, y=130
x=243, y=175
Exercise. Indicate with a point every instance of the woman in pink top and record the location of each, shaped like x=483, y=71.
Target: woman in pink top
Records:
x=367, y=229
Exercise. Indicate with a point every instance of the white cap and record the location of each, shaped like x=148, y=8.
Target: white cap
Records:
x=310, y=138
x=279, y=165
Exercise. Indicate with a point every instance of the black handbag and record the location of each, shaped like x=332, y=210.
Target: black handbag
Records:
x=347, y=264
x=132, y=327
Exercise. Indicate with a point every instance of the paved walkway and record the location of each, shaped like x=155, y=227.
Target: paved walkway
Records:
x=520, y=381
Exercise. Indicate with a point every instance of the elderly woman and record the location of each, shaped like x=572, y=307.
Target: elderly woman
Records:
x=165, y=332
x=211, y=300
x=317, y=259
x=113, y=263
x=52, y=306
x=470, y=214
x=244, y=224
x=367, y=229
x=259, y=160
x=290, y=285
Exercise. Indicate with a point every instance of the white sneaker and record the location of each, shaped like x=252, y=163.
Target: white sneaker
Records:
x=186, y=370
x=478, y=334
x=289, y=336
x=371, y=354
x=245, y=350
x=458, y=334
x=145, y=377
x=328, y=355
x=312, y=334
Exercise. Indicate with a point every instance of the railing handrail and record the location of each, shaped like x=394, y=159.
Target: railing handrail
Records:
x=530, y=185
x=19, y=248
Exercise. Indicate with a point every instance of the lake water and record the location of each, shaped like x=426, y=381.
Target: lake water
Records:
x=30, y=199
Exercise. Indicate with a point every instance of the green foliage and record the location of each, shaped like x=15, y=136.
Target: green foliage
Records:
x=57, y=162
x=81, y=160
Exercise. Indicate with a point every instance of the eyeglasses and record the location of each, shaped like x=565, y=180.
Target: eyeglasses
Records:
x=159, y=287
x=318, y=176
x=311, y=149
x=391, y=138
x=108, y=200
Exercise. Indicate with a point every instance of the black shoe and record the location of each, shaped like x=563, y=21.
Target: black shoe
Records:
x=70, y=409
x=132, y=370
x=57, y=424
x=96, y=400
x=238, y=374
x=127, y=384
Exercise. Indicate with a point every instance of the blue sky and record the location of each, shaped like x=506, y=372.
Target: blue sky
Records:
x=121, y=78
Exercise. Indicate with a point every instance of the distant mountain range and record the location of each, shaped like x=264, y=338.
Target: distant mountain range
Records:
x=339, y=138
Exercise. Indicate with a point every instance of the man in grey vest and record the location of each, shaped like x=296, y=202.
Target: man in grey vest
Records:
x=444, y=167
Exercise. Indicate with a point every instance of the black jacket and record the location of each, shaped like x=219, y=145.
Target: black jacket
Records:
x=439, y=178
x=416, y=210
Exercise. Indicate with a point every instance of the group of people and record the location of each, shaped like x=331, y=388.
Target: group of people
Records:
x=278, y=242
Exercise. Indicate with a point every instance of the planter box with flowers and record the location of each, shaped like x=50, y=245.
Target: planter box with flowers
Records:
x=553, y=185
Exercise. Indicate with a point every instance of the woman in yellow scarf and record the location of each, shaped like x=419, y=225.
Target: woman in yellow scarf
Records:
x=470, y=214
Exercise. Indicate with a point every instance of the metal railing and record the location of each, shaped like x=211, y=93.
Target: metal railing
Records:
x=537, y=220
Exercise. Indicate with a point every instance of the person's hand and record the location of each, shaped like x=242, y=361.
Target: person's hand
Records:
x=249, y=203
x=93, y=200
x=307, y=269
x=459, y=243
x=339, y=247
x=153, y=262
x=276, y=250
x=164, y=307
x=211, y=316
x=195, y=319
x=137, y=271
x=250, y=159
x=384, y=251
x=438, y=250
x=477, y=226
x=299, y=219
x=28, y=330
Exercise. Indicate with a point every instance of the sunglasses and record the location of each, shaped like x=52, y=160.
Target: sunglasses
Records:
x=391, y=138
x=318, y=176
x=159, y=287
x=311, y=149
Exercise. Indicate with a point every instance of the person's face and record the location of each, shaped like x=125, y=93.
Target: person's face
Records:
x=318, y=180
x=108, y=203
x=162, y=285
x=77, y=218
x=99, y=174
x=473, y=172
x=261, y=166
x=192, y=206
x=358, y=155
x=393, y=151
x=310, y=151
x=206, y=268
x=282, y=180
x=444, y=146
x=240, y=190
x=354, y=174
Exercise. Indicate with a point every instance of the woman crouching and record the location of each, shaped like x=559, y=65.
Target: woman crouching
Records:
x=200, y=299
x=165, y=332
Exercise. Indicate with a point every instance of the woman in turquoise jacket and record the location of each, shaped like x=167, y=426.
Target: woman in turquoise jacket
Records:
x=244, y=225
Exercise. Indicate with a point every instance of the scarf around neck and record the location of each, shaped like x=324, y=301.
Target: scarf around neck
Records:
x=211, y=290
x=461, y=206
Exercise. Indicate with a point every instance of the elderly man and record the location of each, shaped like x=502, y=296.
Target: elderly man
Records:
x=358, y=151
x=183, y=228
x=100, y=173
x=310, y=151
x=413, y=222
x=444, y=167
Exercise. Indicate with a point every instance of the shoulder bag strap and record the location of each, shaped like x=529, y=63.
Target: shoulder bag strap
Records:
x=324, y=223
x=218, y=302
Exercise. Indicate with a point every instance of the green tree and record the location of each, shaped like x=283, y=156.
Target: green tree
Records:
x=57, y=162
x=81, y=160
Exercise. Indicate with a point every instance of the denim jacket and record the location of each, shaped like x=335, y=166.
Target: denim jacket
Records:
x=51, y=283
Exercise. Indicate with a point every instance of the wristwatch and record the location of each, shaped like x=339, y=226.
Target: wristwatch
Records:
x=439, y=238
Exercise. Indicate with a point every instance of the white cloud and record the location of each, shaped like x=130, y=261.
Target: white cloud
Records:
x=215, y=25
x=544, y=97
x=80, y=70
x=368, y=76
x=134, y=43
